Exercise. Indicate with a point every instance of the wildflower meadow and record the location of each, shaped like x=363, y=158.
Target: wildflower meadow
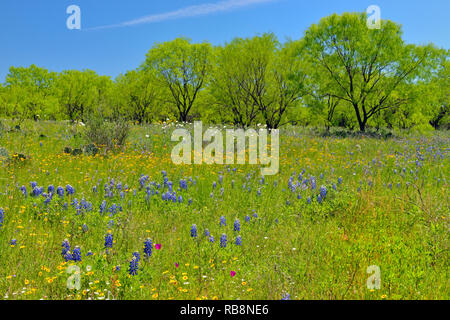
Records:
x=130, y=224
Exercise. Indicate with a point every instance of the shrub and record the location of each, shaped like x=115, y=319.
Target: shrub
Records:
x=4, y=155
x=108, y=134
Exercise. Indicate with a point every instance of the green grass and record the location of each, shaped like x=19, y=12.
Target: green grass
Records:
x=311, y=251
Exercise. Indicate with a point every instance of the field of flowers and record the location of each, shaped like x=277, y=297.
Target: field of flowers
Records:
x=131, y=225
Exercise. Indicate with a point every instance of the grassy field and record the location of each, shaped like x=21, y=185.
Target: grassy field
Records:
x=386, y=205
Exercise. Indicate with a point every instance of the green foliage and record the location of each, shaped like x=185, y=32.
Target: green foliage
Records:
x=340, y=73
x=366, y=67
x=182, y=69
x=138, y=93
x=82, y=93
x=106, y=134
x=311, y=251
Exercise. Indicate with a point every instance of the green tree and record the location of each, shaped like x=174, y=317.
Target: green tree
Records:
x=257, y=77
x=82, y=92
x=139, y=91
x=182, y=68
x=367, y=66
x=31, y=92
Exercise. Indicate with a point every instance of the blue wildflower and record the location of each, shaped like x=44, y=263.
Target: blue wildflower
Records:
x=133, y=269
x=60, y=191
x=286, y=296
x=222, y=221
x=323, y=192
x=51, y=189
x=237, y=225
x=137, y=256
x=223, y=240
x=66, y=247
x=76, y=254
x=194, y=231
x=238, y=241
x=67, y=256
x=69, y=189
x=108, y=240
x=148, y=247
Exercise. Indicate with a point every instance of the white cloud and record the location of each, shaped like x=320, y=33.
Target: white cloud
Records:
x=191, y=11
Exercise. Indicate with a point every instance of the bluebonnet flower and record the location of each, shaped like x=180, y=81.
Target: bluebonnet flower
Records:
x=1, y=216
x=286, y=296
x=183, y=184
x=223, y=240
x=24, y=190
x=214, y=185
x=255, y=215
x=37, y=191
x=194, y=231
x=137, y=256
x=247, y=218
x=334, y=186
x=238, y=240
x=308, y=200
x=94, y=189
x=148, y=247
x=69, y=189
x=190, y=201
x=51, y=189
x=108, y=240
x=113, y=208
x=313, y=183
x=60, y=191
x=89, y=253
x=211, y=239
x=222, y=221
x=237, y=225
x=48, y=199
x=220, y=179
x=164, y=173
x=339, y=180
x=76, y=254
x=207, y=233
x=323, y=192
x=180, y=199
x=319, y=198
x=67, y=256
x=13, y=242
x=133, y=269
x=33, y=184
x=66, y=247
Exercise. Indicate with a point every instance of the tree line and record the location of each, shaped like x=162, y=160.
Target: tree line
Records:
x=340, y=73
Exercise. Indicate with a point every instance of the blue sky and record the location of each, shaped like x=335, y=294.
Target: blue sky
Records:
x=35, y=32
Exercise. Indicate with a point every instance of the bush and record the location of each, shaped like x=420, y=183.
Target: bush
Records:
x=4, y=155
x=108, y=134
